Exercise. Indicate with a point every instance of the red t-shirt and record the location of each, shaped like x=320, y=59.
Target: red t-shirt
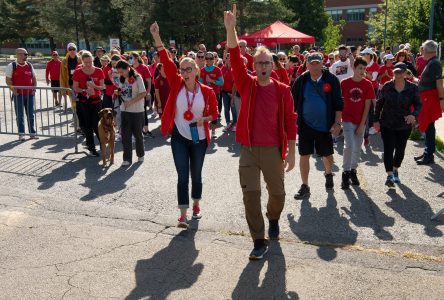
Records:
x=152, y=69
x=382, y=70
x=420, y=65
x=370, y=70
x=272, y=75
x=22, y=76
x=161, y=84
x=53, y=69
x=283, y=76
x=355, y=94
x=250, y=61
x=82, y=78
x=144, y=71
x=109, y=87
x=266, y=116
x=228, y=80
x=215, y=74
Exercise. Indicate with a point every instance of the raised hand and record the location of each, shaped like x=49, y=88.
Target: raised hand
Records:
x=154, y=29
x=230, y=18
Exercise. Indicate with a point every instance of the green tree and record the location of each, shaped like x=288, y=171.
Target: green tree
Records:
x=332, y=35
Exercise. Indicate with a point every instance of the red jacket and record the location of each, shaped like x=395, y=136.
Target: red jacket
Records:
x=283, y=76
x=176, y=83
x=53, y=69
x=430, y=110
x=247, y=86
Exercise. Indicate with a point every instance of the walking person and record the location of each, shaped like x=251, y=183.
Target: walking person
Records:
x=52, y=75
x=432, y=96
x=395, y=119
x=318, y=102
x=162, y=90
x=189, y=109
x=88, y=83
x=267, y=132
x=227, y=95
x=132, y=92
x=278, y=67
x=21, y=73
x=358, y=95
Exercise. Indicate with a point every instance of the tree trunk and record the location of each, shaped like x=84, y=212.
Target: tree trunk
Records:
x=52, y=45
x=83, y=24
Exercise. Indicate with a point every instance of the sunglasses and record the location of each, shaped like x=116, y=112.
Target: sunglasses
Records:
x=186, y=70
x=282, y=59
x=209, y=58
x=25, y=54
x=331, y=58
x=72, y=49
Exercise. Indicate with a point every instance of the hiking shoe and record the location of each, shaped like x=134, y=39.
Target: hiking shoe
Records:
x=196, y=212
x=396, y=177
x=303, y=192
x=354, y=177
x=345, y=185
x=390, y=182
x=182, y=222
x=259, y=250
x=273, y=229
x=329, y=181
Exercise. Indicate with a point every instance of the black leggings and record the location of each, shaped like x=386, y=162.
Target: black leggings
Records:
x=394, y=141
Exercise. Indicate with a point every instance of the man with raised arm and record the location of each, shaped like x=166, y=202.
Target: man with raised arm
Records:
x=267, y=132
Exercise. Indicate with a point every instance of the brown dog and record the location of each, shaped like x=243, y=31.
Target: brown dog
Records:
x=107, y=134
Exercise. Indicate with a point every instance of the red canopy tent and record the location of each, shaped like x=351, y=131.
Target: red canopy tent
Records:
x=275, y=34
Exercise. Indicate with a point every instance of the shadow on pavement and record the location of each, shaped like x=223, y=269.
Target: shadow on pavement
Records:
x=414, y=210
x=272, y=286
x=365, y=213
x=323, y=227
x=172, y=268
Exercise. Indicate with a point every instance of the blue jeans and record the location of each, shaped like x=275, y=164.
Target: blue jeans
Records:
x=188, y=158
x=226, y=97
x=430, y=140
x=24, y=103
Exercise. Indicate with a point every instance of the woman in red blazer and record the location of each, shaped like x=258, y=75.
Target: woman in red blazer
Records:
x=189, y=108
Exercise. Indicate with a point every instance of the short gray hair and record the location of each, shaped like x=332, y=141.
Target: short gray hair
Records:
x=430, y=46
x=242, y=42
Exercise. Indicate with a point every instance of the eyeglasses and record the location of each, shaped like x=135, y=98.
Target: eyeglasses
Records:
x=186, y=70
x=25, y=54
x=331, y=58
x=72, y=49
x=263, y=63
x=282, y=59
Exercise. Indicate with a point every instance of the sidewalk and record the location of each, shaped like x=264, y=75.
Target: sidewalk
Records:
x=440, y=128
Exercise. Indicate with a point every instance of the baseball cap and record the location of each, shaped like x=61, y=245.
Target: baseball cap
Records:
x=400, y=66
x=389, y=56
x=100, y=49
x=313, y=57
x=367, y=51
x=71, y=45
x=407, y=46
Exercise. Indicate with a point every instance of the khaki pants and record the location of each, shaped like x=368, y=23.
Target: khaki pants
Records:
x=251, y=163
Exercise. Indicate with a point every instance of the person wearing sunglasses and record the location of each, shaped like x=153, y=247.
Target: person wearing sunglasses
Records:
x=212, y=76
x=67, y=68
x=200, y=59
x=278, y=67
x=189, y=109
x=52, y=75
x=343, y=68
x=173, y=54
x=21, y=73
x=266, y=130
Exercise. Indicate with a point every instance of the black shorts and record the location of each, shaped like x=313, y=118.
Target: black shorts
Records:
x=310, y=139
x=55, y=84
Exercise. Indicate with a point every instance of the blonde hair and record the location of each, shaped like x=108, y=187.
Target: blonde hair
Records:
x=263, y=50
x=193, y=63
x=86, y=54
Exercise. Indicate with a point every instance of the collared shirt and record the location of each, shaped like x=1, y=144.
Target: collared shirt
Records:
x=431, y=73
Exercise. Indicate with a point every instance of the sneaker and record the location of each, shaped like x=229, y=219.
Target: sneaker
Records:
x=417, y=158
x=196, y=212
x=329, y=181
x=148, y=134
x=390, y=182
x=366, y=141
x=427, y=160
x=396, y=177
x=345, y=185
x=22, y=138
x=372, y=131
x=213, y=134
x=125, y=163
x=118, y=138
x=182, y=222
x=227, y=128
x=259, y=250
x=93, y=152
x=354, y=177
x=33, y=137
x=273, y=229
x=140, y=159
x=303, y=192
x=233, y=128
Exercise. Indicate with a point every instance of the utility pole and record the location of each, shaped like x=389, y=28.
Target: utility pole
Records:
x=432, y=17
x=385, y=23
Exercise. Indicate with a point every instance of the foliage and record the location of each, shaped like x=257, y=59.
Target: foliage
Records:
x=332, y=35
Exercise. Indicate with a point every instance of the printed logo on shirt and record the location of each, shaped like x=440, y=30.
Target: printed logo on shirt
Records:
x=341, y=70
x=356, y=94
x=127, y=91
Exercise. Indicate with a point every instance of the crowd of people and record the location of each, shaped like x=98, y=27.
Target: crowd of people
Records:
x=267, y=99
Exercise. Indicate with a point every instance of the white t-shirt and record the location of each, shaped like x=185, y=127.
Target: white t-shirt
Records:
x=341, y=69
x=8, y=70
x=183, y=126
x=130, y=91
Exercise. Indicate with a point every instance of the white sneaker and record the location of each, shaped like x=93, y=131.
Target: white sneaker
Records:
x=125, y=163
x=140, y=159
x=372, y=131
x=118, y=138
x=22, y=138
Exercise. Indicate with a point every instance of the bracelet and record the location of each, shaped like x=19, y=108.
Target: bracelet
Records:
x=161, y=46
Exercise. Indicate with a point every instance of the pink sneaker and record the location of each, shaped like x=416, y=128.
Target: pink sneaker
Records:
x=196, y=212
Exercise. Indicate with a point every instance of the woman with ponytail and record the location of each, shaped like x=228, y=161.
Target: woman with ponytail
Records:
x=132, y=92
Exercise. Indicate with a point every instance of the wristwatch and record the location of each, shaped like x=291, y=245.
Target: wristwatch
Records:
x=338, y=123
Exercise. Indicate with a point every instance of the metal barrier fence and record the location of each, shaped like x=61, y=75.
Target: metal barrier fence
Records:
x=33, y=111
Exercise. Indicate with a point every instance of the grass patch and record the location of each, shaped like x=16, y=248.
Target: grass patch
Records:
x=416, y=136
